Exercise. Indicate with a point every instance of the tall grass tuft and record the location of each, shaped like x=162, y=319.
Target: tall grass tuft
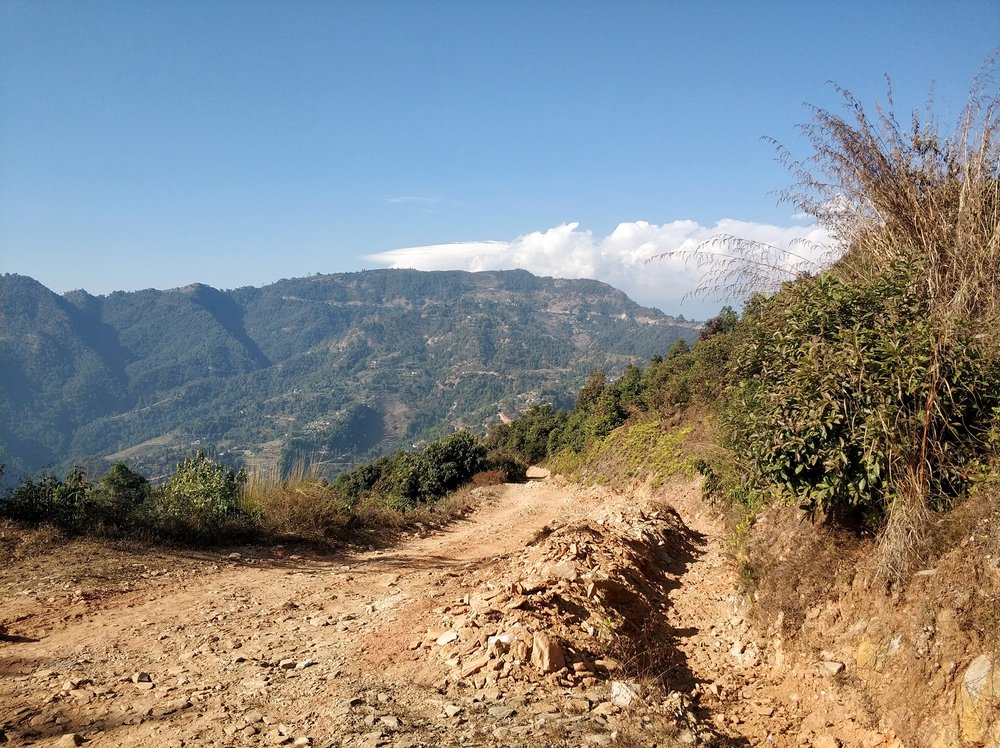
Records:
x=300, y=504
x=893, y=194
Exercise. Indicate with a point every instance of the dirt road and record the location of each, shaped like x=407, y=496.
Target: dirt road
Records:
x=554, y=614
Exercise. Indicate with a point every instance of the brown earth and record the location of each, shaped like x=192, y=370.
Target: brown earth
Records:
x=554, y=614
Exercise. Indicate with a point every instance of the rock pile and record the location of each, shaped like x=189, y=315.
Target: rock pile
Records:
x=573, y=621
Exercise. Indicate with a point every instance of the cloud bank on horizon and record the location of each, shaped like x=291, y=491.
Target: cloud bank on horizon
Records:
x=623, y=258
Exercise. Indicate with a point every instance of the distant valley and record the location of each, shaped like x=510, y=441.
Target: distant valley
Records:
x=329, y=369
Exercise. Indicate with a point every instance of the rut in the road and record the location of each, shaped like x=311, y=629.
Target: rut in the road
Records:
x=755, y=687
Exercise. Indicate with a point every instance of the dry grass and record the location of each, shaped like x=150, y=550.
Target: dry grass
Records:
x=18, y=541
x=301, y=504
x=380, y=519
x=904, y=543
x=888, y=191
x=736, y=268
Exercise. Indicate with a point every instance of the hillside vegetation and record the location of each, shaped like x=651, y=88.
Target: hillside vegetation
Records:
x=864, y=396
x=871, y=392
x=332, y=369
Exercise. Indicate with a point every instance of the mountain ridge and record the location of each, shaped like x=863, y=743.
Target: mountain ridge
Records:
x=331, y=368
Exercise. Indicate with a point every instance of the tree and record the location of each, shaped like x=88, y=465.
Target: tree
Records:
x=725, y=321
x=203, y=487
x=450, y=462
x=121, y=487
x=592, y=390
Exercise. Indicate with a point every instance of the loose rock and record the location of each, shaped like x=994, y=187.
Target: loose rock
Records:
x=546, y=654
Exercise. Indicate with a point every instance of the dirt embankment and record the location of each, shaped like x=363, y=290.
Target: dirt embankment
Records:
x=554, y=614
x=924, y=650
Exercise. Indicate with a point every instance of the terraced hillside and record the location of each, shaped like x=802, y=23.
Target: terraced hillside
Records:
x=328, y=368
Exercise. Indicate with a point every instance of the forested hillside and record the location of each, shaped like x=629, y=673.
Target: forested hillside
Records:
x=328, y=368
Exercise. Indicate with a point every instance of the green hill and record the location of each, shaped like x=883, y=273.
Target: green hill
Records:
x=330, y=368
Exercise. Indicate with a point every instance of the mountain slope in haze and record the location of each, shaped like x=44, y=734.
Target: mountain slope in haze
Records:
x=328, y=368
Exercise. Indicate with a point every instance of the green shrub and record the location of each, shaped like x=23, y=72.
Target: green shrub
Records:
x=526, y=438
x=691, y=375
x=833, y=384
x=449, y=463
x=120, y=495
x=510, y=467
x=354, y=484
x=409, y=478
x=66, y=503
x=572, y=435
x=666, y=382
x=202, y=486
x=201, y=500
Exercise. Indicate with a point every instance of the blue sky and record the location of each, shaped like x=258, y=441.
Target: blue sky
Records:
x=154, y=144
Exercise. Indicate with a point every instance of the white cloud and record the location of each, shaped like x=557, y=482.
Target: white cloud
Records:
x=456, y=256
x=622, y=258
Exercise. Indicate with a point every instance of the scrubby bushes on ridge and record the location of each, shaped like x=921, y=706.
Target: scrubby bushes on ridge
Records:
x=686, y=377
x=410, y=478
x=205, y=501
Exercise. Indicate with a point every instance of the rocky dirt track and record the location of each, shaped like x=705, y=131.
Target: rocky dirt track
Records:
x=554, y=614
